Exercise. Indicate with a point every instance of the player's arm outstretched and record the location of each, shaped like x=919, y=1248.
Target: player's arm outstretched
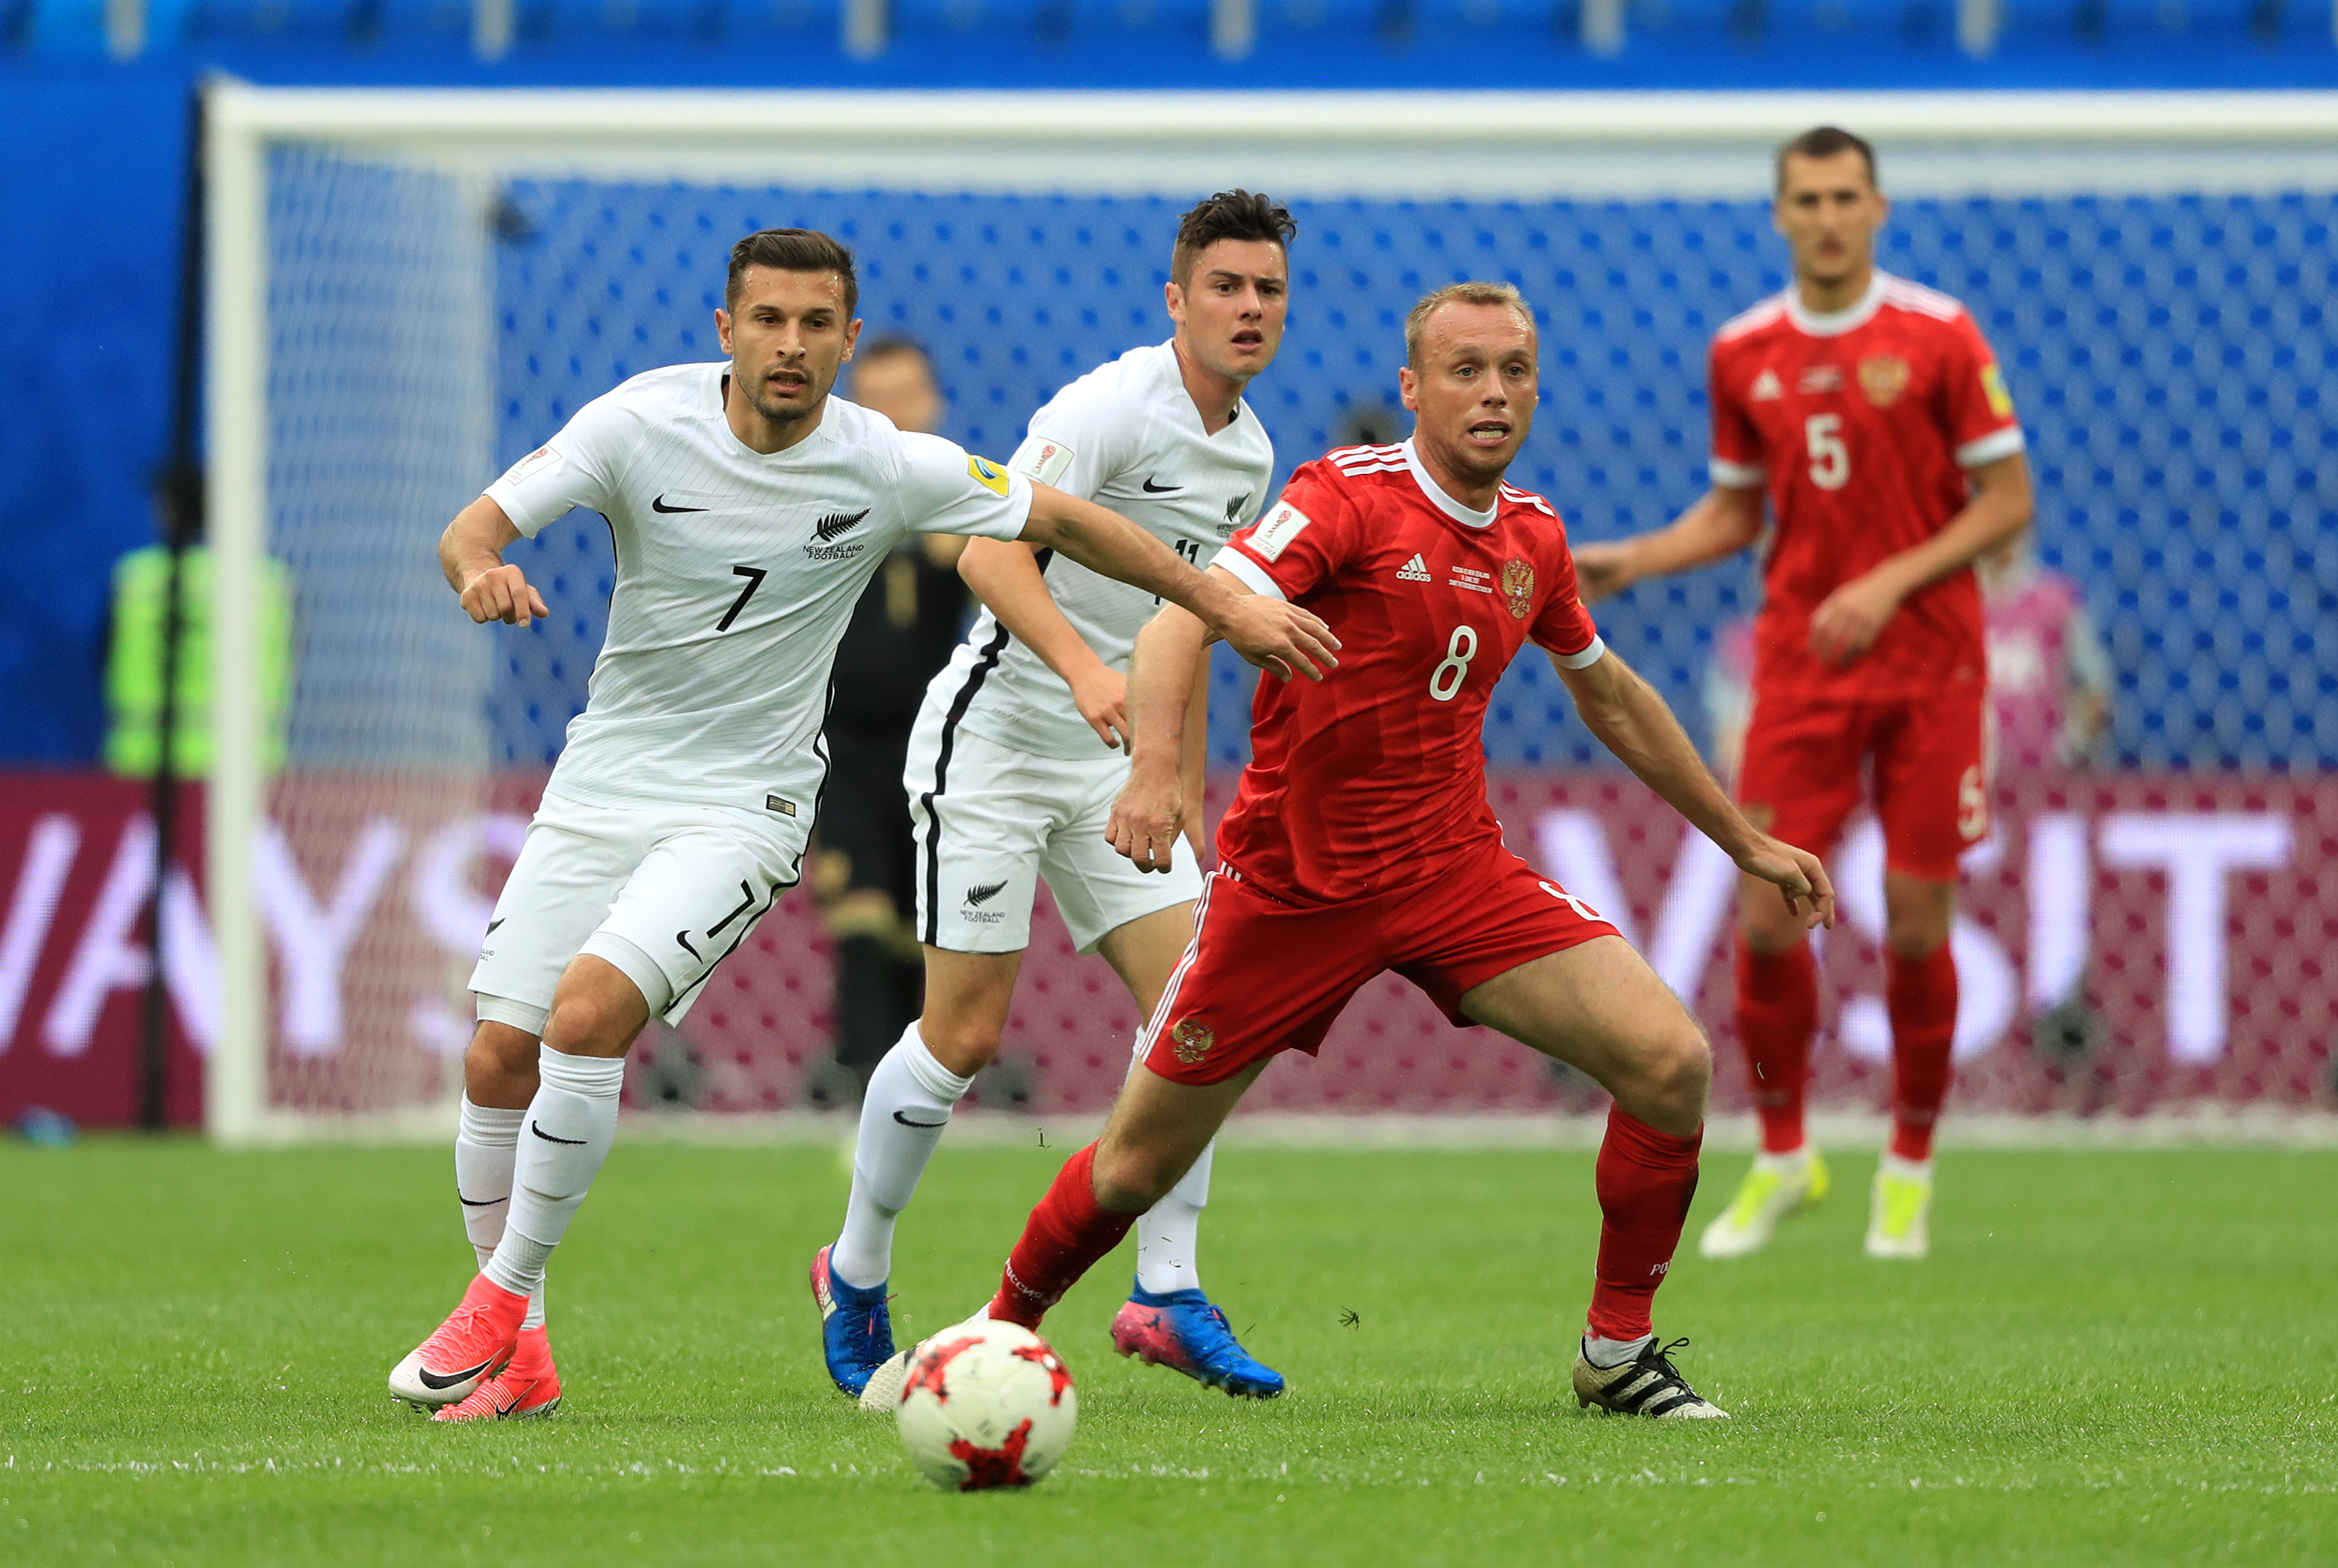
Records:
x=471, y=554
x=1163, y=674
x=1005, y=575
x=1725, y=521
x=1193, y=758
x=1271, y=634
x=1632, y=722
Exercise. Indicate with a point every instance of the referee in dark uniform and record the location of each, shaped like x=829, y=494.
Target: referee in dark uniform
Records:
x=910, y=619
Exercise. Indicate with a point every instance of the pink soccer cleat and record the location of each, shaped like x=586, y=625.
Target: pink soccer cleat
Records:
x=529, y=1385
x=473, y=1343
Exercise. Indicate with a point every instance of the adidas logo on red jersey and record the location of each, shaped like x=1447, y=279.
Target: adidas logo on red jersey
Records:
x=1415, y=570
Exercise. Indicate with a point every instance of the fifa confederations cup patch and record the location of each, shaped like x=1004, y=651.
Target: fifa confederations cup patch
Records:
x=1993, y=382
x=988, y=474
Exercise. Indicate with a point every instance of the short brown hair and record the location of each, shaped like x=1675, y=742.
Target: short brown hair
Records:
x=1472, y=294
x=792, y=251
x=1826, y=142
x=1234, y=214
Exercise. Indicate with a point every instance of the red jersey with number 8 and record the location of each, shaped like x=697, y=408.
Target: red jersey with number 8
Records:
x=1361, y=781
x=1860, y=426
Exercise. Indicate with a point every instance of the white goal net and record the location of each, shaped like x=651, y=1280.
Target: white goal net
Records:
x=408, y=289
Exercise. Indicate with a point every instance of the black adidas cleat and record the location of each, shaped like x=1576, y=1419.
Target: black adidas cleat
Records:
x=1647, y=1385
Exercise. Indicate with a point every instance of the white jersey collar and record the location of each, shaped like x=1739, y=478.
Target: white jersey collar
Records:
x=1835, y=323
x=1467, y=517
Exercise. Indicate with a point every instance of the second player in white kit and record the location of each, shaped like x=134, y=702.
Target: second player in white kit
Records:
x=748, y=508
x=1021, y=749
x=1007, y=783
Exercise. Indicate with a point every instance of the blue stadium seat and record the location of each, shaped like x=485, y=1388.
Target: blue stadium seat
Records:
x=1805, y=29
x=2188, y=24
x=1005, y=24
x=1336, y=27
x=1182, y=26
x=54, y=28
x=2135, y=29
x=1866, y=24
x=572, y=25
x=1697, y=24
x=1104, y=27
x=435, y=24
x=337, y=23
x=1528, y=24
x=799, y=23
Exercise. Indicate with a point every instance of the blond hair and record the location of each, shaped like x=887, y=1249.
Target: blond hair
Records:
x=1471, y=293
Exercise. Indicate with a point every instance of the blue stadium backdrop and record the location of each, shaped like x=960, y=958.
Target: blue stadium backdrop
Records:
x=2169, y=357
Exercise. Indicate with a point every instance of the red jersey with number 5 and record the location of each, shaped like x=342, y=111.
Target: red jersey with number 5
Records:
x=1860, y=425
x=1363, y=780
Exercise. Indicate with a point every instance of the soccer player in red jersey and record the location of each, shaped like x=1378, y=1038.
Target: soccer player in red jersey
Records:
x=1361, y=840
x=1873, y=415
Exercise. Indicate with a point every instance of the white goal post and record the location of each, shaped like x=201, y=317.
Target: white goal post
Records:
x=278, y=158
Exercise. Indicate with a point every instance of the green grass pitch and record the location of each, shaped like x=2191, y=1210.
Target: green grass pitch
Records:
x=2110, y=1357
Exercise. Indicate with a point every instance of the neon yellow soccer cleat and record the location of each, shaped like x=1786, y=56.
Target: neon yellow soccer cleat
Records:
x=1771, y=1191
x=1899, y=1212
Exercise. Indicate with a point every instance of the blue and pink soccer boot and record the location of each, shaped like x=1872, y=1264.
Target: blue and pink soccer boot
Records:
x=1181, y=1330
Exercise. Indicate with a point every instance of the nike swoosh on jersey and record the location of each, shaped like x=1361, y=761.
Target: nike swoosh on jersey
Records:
x=684, y=937
x=927, y=1126
x=659, y=505
x=484, y=1202
x=571, y=1143
x=1153, y=490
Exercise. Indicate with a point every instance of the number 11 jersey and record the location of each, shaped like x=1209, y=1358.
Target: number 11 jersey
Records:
x=1376, y=775
x=737, y=573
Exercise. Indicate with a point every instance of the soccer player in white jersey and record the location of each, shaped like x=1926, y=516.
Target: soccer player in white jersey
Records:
x=748, y=508
x=1019, y=753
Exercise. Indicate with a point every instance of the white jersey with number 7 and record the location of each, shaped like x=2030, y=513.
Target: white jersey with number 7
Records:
x=737, y=572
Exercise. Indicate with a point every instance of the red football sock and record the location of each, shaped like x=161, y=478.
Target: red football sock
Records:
x=1923, y=999
x=1061, y=1241
x=1777, y=1012
x=1646, y=1180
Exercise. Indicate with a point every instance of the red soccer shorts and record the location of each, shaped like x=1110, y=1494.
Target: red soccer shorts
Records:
x=1263, y=976
x=1803, y=768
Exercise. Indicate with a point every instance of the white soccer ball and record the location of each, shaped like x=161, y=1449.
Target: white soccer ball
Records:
x=986, y=1405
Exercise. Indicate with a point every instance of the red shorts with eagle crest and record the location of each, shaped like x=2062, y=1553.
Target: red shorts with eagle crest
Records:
x=1263, y=976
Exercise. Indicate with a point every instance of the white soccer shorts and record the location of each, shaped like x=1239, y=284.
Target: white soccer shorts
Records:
x=991, y=821
x=662, y=891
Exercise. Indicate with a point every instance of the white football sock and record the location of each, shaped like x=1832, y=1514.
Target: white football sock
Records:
x=486, y=1148
x=1170, y=1234
x=1605, y=1354
x=570, y=1125
x=908, y=1102
x=1793, y=1162
x=1907, y=1170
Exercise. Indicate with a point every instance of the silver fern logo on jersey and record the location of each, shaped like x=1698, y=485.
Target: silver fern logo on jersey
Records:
x=836, y=524
x=834, y=527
